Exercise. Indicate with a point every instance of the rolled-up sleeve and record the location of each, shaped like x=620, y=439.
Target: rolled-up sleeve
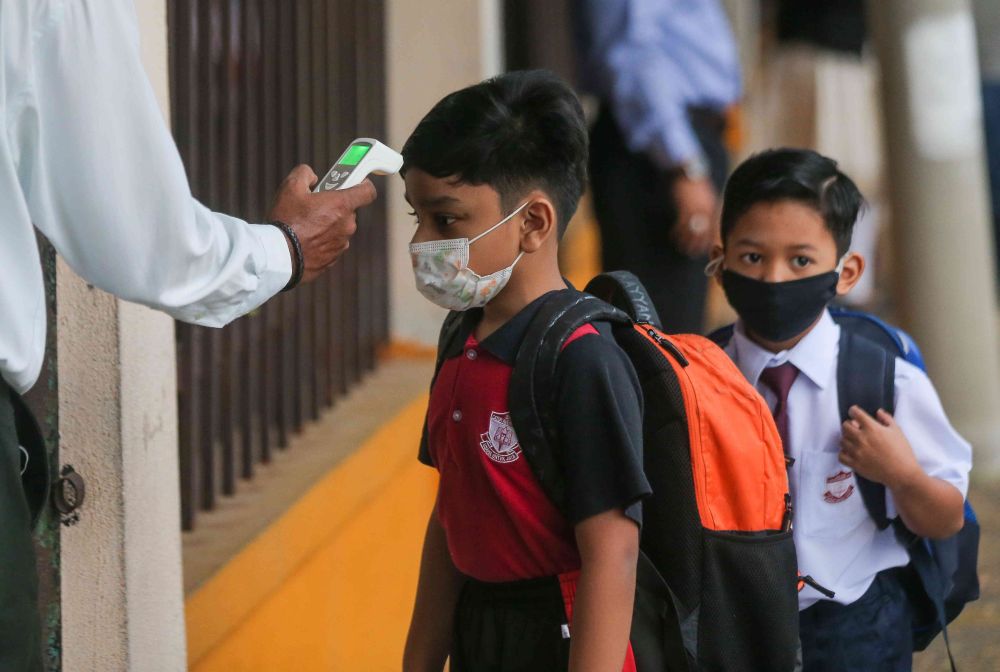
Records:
x=105, y=183
x=627, y=58
x=939, y=448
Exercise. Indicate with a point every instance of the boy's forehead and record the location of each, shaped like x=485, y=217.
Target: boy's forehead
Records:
x=782, y=223
x=425, y=190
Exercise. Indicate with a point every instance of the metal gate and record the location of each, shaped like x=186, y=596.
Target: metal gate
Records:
x=258, y=86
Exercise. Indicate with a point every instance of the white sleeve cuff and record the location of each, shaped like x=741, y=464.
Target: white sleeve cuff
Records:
x=276, y=270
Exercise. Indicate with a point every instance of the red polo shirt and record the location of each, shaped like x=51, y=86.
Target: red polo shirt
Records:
x=499, y=523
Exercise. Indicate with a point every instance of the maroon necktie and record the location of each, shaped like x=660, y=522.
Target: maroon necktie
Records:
x=779, y=380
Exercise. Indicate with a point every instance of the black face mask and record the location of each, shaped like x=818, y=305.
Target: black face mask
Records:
x=778, y=311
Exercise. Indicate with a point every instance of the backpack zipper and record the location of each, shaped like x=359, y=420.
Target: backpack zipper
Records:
x=812, y=583
x=668, y=346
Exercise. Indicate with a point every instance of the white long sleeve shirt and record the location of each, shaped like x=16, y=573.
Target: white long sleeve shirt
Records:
x=86, y=157
x=836, y=541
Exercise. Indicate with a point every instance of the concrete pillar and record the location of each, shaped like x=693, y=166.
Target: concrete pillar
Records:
x=934, y=139
x=422, y=69
x=123, y=606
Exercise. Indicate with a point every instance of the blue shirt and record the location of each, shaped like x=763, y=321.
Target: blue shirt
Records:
x=651, y=60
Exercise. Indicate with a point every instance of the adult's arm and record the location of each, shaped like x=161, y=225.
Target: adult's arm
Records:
x=104, y=181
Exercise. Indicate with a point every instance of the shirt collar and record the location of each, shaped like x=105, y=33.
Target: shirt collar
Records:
x=815, y=355
x=505, y=342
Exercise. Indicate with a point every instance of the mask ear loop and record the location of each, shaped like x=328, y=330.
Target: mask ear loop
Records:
x=712, y=267
x=500, y=223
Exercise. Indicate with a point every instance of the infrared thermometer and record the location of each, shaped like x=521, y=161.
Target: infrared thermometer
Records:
x=362, y=157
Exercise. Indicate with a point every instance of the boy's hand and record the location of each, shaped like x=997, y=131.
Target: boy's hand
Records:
x=877, y=449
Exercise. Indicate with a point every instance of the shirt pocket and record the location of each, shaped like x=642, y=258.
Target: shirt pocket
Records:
x=829, y=500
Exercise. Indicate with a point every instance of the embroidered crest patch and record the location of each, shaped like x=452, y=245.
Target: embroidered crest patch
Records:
x=500, y=442
x=839, y=487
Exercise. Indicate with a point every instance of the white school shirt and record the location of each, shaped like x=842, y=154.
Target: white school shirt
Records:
x=836, y=541
x=85, y=156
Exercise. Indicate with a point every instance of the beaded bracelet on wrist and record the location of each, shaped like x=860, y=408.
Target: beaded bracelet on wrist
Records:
x=298, y=262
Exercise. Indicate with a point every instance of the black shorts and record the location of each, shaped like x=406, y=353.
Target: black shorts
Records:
x=511, y=627
x=521, y=626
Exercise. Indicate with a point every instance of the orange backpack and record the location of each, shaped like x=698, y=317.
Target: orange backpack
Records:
x=717, y=579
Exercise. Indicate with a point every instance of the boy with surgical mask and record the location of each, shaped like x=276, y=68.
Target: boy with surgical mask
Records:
x=508, y=580
x=787, y=220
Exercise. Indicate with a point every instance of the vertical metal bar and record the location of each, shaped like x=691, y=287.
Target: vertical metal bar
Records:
x=320, y=306
x=182, y=23
x=303, y=127
x=229, y=180
x=208, y=143
x=339, y=136
x=188, y=419
x=348, y=111
x=270, y=174
x=287, y=113
x=254, y=425
x=377, y=19
x=365, y=106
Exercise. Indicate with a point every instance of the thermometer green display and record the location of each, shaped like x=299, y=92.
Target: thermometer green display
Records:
x=363, y=157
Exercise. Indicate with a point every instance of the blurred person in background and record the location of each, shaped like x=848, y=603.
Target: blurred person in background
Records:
x=987, y=14
x=665, y=74
x=818, y=89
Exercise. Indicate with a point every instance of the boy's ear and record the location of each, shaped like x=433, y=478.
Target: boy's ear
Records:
x=854, y=268
x=540, y=222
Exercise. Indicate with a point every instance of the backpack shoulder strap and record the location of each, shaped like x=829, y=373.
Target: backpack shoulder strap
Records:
x=450, y=340
x=531, y=393
x=881, y=333
x=451, y=331
x=623, y=290
x=723, y=335
x=866, y=375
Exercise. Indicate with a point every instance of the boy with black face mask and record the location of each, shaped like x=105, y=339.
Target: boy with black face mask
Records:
x=787, y=221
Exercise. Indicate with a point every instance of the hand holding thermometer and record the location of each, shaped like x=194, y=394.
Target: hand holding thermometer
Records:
x=363, y=157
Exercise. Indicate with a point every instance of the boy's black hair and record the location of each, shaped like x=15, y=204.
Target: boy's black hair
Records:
x=799, y=175
x=515, y=132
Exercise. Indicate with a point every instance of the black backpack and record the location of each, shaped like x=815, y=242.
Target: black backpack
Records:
x=706, y=599
x=945, y=570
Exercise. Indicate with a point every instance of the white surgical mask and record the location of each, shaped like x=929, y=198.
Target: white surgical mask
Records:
x=441, y=269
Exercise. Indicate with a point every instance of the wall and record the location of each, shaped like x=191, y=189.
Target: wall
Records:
x=121, y=570
x=433, y=47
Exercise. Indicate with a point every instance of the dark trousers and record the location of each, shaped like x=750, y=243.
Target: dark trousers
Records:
x=510, y=627
x=20, y=627
x=873, y=634
x=635, y=208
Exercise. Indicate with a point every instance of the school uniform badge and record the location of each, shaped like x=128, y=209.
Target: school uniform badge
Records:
x=500, y=442
x=839, y=487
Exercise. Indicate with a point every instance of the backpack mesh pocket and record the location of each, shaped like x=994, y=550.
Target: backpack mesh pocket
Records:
x=743, y=570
